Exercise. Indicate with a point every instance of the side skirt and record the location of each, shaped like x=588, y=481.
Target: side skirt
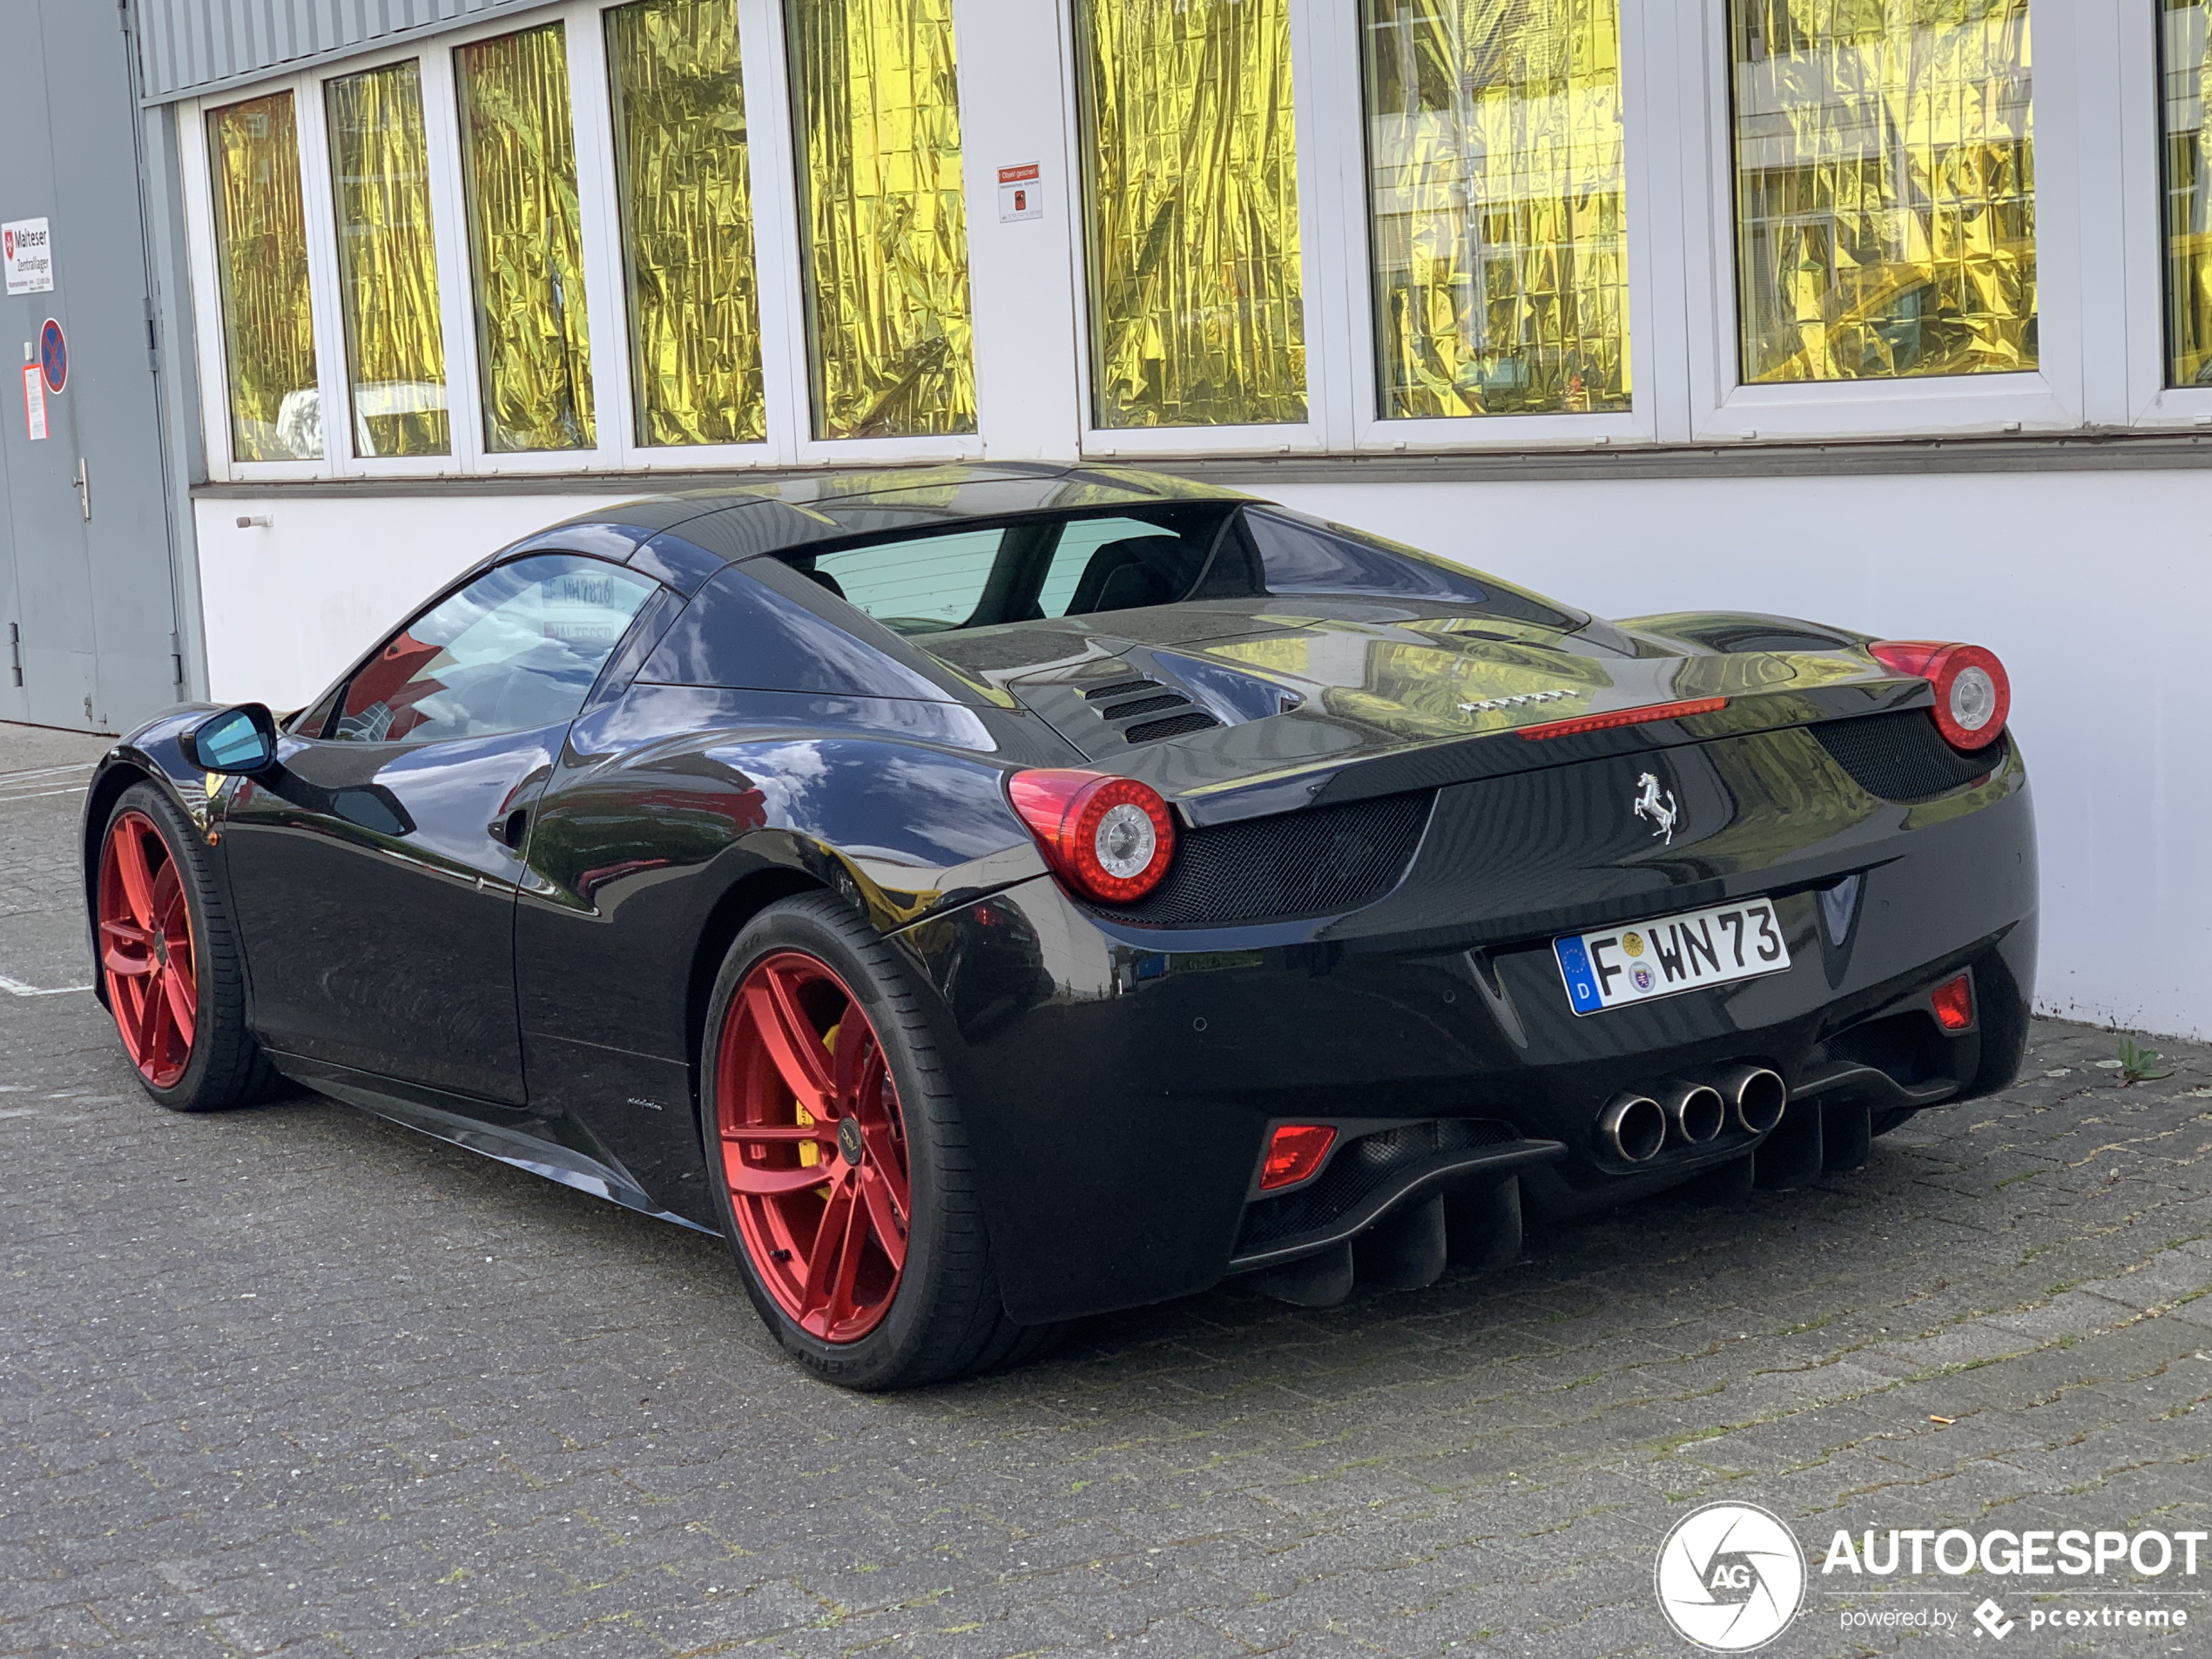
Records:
x=451, y=1118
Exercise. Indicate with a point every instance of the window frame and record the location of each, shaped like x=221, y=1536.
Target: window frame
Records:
x=765, y=164
x=777, y=255
x=1375, y=433
x=2139, y=275
x=1700, y=106
x=775, y=190
x=196, y=185
x=1315, y=120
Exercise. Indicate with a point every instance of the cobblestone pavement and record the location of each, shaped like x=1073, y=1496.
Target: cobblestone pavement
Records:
x=294, y=1381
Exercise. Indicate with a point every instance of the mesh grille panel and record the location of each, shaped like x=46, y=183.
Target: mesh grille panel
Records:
x=1358, y=1170
x=1174, y=726
x=1315, y=863
x=1901, y=756
x=1119, y=688
x=1147, y=705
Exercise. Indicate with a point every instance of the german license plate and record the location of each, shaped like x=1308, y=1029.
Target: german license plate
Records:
x=1675, y=954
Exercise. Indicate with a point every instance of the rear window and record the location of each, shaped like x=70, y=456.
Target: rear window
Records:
x=1020, y=572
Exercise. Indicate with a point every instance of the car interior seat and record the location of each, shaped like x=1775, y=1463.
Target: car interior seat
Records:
x=1138, y=571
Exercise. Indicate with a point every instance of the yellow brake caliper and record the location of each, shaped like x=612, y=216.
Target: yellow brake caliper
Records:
x=809, y=1155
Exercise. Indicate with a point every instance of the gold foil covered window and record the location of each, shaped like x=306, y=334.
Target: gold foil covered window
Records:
x=684, y=169
x=261, y=270
x=387, y=262
x=2186, y=63
x=890, y=351
x=1885, y=185
x=1495, y=182
x=518, y=162
x=1191, y=162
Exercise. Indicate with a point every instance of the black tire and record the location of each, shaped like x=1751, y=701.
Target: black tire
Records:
x=946, y=1318
x=227, y=1067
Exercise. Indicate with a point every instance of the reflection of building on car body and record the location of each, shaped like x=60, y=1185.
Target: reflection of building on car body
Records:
x=988, y=896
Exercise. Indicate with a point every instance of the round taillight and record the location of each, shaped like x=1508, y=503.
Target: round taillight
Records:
x=1972, y=697
x=1110, y=838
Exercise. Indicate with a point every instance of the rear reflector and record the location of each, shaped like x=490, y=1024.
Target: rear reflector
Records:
x=1624, y=717
x=1294, y=1152
x=1954, y=1003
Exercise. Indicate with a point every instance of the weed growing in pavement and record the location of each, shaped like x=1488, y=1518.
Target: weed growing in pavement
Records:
x=2136, y=1062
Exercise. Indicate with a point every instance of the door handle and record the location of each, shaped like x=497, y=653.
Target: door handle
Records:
x=508, y=830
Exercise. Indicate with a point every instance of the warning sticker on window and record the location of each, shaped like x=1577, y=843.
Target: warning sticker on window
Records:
x=1019, y=196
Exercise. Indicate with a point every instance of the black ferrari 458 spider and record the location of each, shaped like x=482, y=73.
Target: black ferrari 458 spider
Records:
x=992, y=895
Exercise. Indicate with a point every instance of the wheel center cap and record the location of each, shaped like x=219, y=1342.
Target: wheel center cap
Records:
x=161, y=950
x=848, y=1140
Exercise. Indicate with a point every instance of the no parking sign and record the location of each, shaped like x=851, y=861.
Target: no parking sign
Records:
x=53, y=356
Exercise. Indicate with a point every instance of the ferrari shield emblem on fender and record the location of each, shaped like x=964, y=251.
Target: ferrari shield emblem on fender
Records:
x=1657, y=805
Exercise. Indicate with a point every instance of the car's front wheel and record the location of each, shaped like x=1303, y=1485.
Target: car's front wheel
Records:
x=845, y=1184
x=170, y=964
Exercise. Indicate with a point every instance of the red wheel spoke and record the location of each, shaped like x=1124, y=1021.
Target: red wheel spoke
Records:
x=152, y=1008
x=117, y=962
x=796, y=1051
x=817, y=1134
x=177, y=991
x=758, y=1183
x=855, y=1049
x=885, y=1221
x=825, y=1261
x=136, y=880
x=887, y=1165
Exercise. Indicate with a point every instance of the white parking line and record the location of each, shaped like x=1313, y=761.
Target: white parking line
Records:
x=7, y=778
x=17, y=987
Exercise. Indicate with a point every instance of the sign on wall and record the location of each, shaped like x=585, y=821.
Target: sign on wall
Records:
x=27, y=252
x=1019, y=196
x=34, y=402
x=53, y=356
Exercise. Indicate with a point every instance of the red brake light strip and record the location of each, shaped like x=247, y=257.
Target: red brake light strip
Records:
x=1623, y=716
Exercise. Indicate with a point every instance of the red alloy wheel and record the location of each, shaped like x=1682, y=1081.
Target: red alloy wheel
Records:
x=813, y=1147
x=146, y=950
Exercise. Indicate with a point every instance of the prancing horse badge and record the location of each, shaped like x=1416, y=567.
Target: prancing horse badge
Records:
x=1656, y=806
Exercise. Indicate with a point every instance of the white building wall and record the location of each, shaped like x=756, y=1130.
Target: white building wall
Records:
x=2094, y=587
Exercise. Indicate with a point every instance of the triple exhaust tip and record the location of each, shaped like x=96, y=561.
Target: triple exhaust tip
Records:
x=1691, y=1111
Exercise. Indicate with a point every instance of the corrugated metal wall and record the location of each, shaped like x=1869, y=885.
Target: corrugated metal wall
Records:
x=189, y=46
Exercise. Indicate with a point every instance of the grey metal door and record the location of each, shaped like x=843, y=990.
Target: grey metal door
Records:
x=85, y=533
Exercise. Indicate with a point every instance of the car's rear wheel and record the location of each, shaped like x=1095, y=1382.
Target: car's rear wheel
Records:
x=169, y=961
x=845, y=1187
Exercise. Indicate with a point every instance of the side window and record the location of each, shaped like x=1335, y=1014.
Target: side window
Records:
x=1306, y=556
x=517, y=648
x=1302, y=555
x=1117, y=565
x=921, y=585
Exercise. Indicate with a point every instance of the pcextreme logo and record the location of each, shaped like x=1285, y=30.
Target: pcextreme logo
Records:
x=1730, y=1577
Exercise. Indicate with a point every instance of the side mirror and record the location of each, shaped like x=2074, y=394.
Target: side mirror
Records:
x=241, y=739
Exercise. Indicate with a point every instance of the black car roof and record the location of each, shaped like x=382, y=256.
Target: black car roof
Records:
x=778, y=512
